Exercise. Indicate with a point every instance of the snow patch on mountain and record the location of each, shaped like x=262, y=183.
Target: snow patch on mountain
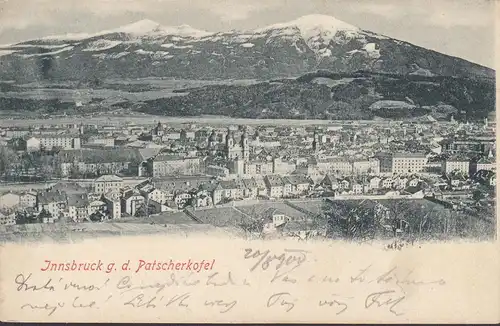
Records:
x=6, y=52
x=119, y=55
x=157, y=55
x=248, y=45
x=67, y=48
x=101, y=45
x=174, y=46
x=372, y=51
x=324, y=52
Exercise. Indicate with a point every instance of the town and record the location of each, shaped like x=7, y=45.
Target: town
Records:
x=353, y=179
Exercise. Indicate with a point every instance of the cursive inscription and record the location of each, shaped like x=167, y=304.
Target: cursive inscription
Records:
x=285, y=262
x=273, y=280
x=281, y=299
x=224, y=306
x=387, y=299
x=23, y=284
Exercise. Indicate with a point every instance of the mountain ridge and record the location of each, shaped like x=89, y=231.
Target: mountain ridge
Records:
x=289, y=49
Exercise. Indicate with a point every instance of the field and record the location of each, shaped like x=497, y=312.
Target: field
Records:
x=78, y=232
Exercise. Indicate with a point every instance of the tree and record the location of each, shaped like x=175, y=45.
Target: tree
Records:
x=44, y=215
x=477, y=195
x=8, y=161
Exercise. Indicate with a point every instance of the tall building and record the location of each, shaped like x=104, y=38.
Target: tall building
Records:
x=235, y=149
x=408, y=162
x=315, y=142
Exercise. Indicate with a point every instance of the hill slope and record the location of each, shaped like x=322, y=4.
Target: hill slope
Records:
x=147, y=49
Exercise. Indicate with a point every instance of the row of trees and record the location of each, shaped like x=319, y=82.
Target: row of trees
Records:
x=402, y=218
x=42, y=165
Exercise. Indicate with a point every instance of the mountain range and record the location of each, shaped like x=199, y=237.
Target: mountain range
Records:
x=148, y=49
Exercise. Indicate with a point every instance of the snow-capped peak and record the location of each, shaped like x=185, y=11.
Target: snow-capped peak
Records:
x=143, y=27
x=316, y=30
x=313, y=22
x=149, y=27
x=140, y=27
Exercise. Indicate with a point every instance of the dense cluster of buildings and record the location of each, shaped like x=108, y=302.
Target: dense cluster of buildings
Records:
x=117, y=171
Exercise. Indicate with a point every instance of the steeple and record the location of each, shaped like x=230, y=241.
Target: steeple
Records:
x=315, y=141
x=245, y=148
x=212, y=139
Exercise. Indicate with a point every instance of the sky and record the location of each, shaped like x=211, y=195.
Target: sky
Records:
x=462, y=28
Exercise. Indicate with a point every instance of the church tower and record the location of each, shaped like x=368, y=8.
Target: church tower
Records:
x=229, y=144
x=212, y=143
x=315, y=142
x=245, y=148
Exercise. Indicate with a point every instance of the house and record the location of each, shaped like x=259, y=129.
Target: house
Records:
x=344, y=184
x=413, y=182
x=275, y=186
x=181, y=198
x=28, y=199
x=52, y=202
x=149, y=192
x=299, y=184
x=7, y=217
x=400, y=183
x=357, y=188
x=387, y=183
x=131, y=202
x=230, y=189
x=272, y=218
x=113, y=205
x=106, y=183
x=329, y=182
x=9, y=200
x=78, y=207
x=375, y=182
x=251, y=188
x=97, y=206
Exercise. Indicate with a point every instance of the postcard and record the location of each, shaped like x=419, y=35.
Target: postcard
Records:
x=248, y=161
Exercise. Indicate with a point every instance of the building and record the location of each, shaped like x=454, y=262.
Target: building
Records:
x=107, y=183
x=52, y=202
x=299, y=184
x=59, y=141
x=258, y=167
x=30, y=143
x=454, y=164
x=28, y=199
x=335, y=165
x=235, y=149
x=484, y=163
x=385, y=162
x=218, y=171
x=113, y=205
x=408, y=162
x=168, y=165
x=370, y=166
x=78, y=207
x=7, y=217
x=100, y=161
x=276, y=186
x=9, y=200
x=478, y=144
x=131, y=202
